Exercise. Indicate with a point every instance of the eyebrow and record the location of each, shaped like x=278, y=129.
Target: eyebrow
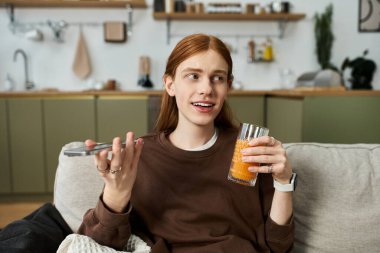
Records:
x=200, y=70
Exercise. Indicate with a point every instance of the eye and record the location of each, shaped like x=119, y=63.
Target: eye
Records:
x=218, y=79
x=193, y=76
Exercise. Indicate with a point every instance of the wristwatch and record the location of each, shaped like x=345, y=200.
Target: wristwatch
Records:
x=291, y=187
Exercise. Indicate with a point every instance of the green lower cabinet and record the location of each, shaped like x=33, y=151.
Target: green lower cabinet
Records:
x=66, y=120
x=117, y=115
x=5, y=168
x=26, y=145
x=347, y=119
x=325, y=119
x=284, y=118
x=249, y=109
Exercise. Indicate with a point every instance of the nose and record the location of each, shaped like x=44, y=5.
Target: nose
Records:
x=205, y=87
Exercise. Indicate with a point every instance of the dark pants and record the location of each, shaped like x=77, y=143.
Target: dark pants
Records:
x=41, y=231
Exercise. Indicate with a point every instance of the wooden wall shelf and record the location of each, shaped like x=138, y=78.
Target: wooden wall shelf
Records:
x=232, y=17
x=281, y=18
x=75, y=3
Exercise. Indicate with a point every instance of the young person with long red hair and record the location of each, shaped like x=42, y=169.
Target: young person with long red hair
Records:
x=170, y=188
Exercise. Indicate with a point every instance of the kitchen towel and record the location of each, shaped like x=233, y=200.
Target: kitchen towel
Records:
x=82, y=64
x=115, y=32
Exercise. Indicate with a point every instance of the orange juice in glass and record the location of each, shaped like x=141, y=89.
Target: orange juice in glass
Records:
x=239, y=172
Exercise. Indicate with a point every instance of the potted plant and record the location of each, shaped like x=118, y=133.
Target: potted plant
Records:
x=324, y=37
x=329, y=75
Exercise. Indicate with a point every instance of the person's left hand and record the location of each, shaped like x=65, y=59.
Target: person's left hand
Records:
x=268, y=156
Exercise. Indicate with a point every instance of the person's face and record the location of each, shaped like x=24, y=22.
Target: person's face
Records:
x=200, y=87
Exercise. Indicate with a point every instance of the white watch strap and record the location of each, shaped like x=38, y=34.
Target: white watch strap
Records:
x=285, y=187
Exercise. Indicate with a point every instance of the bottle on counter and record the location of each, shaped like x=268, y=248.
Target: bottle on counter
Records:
x=144, y=72
x=169, y=6
x=179, y=6
x=268, y=50
x=8, y=83
x=159, y=5
x=251, y=51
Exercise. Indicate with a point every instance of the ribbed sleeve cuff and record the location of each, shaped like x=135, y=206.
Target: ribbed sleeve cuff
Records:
x=276, y=232
x=108, y=218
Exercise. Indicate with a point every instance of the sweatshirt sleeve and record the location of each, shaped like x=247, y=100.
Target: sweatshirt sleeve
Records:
x=280, y=238
x=105, y=227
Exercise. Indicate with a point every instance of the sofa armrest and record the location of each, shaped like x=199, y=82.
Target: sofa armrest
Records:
x=77, y=186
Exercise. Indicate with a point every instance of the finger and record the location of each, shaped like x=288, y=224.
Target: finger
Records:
x=260, y=150
x=116, y=154
x=138, y=148
x=272, y=141
x=102, y=162
x=129, y=148
x=89, y=142
x=263, y=159
x=263, y=169
x=264, y=141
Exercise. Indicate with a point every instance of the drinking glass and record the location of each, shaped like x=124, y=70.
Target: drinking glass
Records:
x=239, y=172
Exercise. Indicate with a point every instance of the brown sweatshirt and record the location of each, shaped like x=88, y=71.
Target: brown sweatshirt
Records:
x=182, y=202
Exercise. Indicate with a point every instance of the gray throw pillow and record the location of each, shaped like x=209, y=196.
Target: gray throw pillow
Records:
x=337, y=201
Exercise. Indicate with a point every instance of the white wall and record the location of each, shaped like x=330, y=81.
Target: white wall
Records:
x=51, y=62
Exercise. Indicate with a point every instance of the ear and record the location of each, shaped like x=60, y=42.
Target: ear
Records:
x=230, y=81
x=229, y=85
x=169, y=85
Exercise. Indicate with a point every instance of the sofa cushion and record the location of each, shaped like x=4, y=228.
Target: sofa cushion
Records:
x=337, y=201
x=77, y=186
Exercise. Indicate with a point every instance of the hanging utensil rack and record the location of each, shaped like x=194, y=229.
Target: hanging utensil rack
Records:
x=10, y=6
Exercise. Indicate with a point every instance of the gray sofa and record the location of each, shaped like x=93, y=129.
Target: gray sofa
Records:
x=337, y=201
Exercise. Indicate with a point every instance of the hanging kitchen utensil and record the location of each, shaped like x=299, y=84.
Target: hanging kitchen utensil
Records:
x=58, y=28
x=35, y=35
x=115, y=32
x=82, y=64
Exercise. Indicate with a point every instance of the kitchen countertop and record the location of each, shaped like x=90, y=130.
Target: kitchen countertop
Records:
x=322, y=92
x=277, y=93
x=107, y=93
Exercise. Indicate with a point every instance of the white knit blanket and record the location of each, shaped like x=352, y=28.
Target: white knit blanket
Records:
x=75, y=243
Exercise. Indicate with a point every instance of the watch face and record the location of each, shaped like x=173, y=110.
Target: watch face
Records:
x=294, y=181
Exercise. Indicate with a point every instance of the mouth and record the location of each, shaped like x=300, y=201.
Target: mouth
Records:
x=203, y=104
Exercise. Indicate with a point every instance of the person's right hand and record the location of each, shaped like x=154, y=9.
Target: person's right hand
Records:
x=119, y=173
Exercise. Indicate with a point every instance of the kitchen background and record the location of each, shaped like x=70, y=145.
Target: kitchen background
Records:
x=50, y=62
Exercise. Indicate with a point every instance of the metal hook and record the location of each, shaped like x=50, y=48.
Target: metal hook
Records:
x=10, y=11
x=130, y=17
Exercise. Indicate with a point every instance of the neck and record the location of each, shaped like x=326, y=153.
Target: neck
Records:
x=191, y=137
